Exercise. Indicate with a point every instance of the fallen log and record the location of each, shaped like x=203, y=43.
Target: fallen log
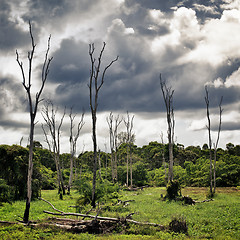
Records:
x=124, y=203
x=96, y=217
x=189, y=201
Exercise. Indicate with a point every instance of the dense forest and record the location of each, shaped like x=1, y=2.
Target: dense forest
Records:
x=149, y=167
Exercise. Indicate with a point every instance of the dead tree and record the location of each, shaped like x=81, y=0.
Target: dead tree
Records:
x=167, y=93
x=95, y=83
x=209, y=140
x=73, y=143
x=53, y=141
x=99, y=164
x=164, y=161
x=33, y=107
x=216, y=144
x=129, y=126
x=212, y=172
x=113, y=134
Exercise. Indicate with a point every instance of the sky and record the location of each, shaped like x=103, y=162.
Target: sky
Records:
x=192, y=44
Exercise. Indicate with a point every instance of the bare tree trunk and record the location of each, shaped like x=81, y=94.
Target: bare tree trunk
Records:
x=111, y=142
x=116, y=164
x=215, y=145
x=99, y=164
x=168, y=100
x=95, y=160
x=131, y=173
x=93, y=95
x=170, y=175
x=30, y=172
x=73, y=143
x=127, y=165
x=113, y=133
x=106, y=164
x=130, y=139
x=164, y=161
x=54, y=144
x=32, y=108
x=210, y=141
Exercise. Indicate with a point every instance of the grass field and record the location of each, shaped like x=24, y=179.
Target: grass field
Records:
x=218, y=219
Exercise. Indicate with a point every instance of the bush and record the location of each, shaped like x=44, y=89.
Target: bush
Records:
x=5, y=191
x=105, y=190
x=173, y=190
x=178, y=225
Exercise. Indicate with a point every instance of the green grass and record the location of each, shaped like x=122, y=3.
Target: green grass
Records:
x=218, y=219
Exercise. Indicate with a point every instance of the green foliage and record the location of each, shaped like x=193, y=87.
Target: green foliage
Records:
x=158, y=177
x=140, y=174
x=13, y=165
x=48, y=178
x=45, y=158
x=104, y=191
x=5, y=192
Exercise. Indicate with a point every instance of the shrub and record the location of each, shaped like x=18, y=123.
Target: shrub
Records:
x=5, y=191
x=173, y=190
x=105, y=190
x=178, y=225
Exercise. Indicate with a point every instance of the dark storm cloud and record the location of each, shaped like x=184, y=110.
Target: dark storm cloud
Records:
x=227, y=68
x=204, y=9
x=13, y=124
x=11, y=36
x=154, y=4
x=228, y=126
x=12, y=94
x=57, y=14
x=44, y=10
x=71, y=63
x=230, y=95
x=125, y=84
x=12, y=100
x=151, y=32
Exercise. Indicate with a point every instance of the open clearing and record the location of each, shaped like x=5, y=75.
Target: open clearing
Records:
x=218, y=219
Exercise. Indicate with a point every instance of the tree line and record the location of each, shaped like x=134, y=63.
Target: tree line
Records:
x=191, y=167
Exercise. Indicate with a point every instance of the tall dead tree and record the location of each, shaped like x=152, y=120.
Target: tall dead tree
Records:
x=33, y=107
x=164, y=161
x=73, y=143
x=209, y=140
x=129, y=139
x=212, y=171
x=95, y=83
x=216, y=144
x=167, y=93
x=53, y=141
x=113, y=124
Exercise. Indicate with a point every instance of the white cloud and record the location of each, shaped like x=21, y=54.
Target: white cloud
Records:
x=220, y=40
x=234, y=79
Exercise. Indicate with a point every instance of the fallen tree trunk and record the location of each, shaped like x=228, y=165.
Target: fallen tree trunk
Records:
x=96, y=217
x=189, y=201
